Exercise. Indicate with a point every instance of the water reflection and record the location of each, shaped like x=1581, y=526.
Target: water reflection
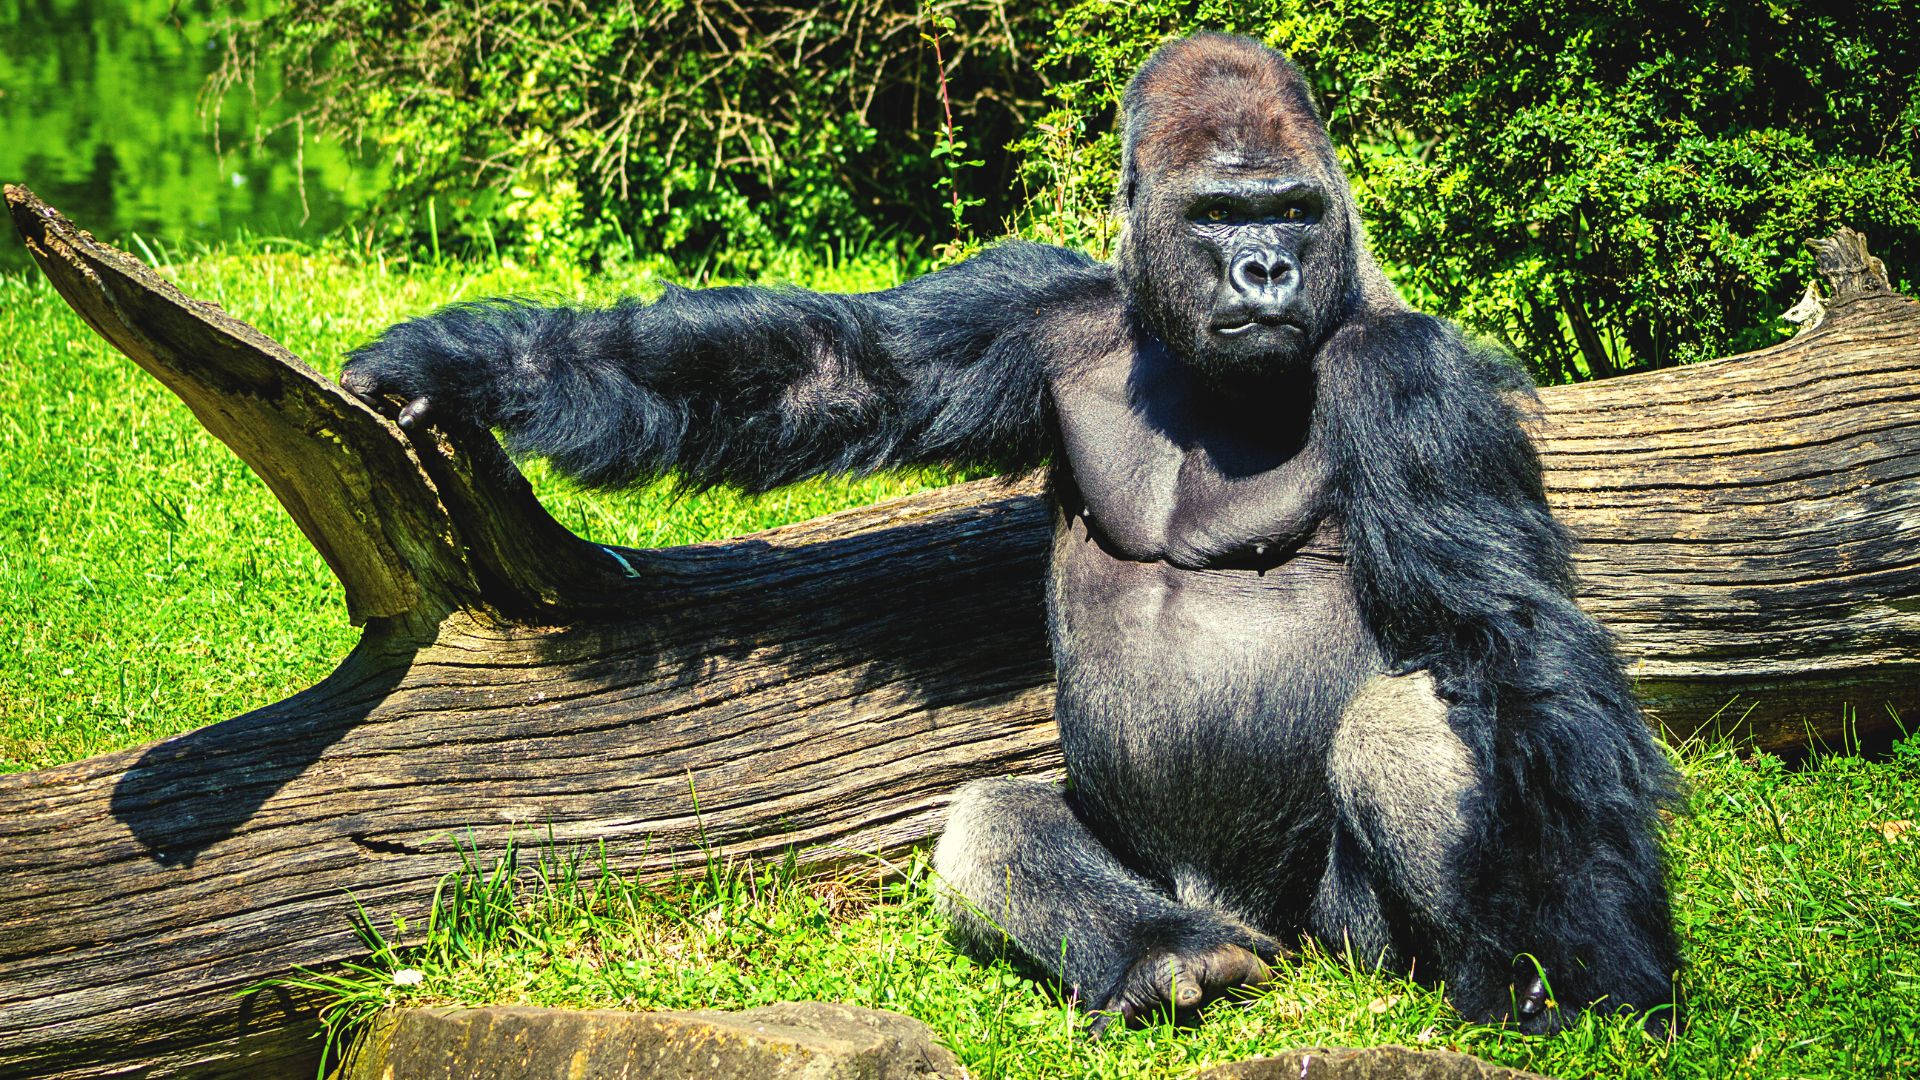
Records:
x=100, y=114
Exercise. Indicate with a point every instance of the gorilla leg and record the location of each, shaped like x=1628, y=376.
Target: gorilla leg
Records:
x=1020, y=873
x=1421, y=870
x=1410, y=800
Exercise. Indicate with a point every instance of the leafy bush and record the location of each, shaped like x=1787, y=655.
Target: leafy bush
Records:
x=1599, y=185
x=673, y=126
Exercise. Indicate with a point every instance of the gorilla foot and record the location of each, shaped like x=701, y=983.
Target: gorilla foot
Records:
x=1526, y=1004
x=1182, y=980
x=1533, y=1009
x=1533, y=1000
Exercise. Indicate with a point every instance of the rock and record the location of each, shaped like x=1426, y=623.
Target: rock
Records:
x=804, y=1040
x=1372, y=1063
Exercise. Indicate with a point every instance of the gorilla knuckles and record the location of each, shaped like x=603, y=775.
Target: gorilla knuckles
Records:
x=1236, y=249
x=1402, y=740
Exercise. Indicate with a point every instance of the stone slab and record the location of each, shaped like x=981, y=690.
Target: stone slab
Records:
x=801, y=1040
x=1371, y=1063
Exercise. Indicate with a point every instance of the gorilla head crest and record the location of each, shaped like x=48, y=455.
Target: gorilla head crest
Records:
x=1238, y=251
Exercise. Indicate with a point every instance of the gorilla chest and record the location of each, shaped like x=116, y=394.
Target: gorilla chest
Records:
x=1195, y=706
x=1204, y=629
x=1156, y=473
x=1222, y=660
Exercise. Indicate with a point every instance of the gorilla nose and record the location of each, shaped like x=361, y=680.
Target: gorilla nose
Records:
x=1254, y=273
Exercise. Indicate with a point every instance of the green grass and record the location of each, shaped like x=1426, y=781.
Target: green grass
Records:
x=150, y=584
x=1796, y=905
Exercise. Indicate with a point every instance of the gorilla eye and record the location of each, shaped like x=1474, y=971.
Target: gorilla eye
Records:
x=1295, y=212
x=1216, y=214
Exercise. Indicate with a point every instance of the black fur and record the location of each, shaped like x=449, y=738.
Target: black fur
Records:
x=1461, y=569
x=1320, y=671
x=752, y=387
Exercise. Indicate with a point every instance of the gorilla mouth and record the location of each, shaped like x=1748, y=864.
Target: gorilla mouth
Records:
x=1242, y=326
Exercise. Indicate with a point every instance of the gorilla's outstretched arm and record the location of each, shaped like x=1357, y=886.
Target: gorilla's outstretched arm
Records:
x=751, y=387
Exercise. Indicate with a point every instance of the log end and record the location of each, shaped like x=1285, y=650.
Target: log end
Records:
x=412, y=524
x=1851, y=272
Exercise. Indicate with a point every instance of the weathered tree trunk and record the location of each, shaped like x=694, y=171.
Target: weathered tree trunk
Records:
x=1752, y=532
x=1750, y=527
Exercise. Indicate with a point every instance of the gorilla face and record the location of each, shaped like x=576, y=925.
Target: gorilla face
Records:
x=1236, y=254
x=1249, y=245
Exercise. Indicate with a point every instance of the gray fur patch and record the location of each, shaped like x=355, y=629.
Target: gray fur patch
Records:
x=977, y=841
x=1400, y=767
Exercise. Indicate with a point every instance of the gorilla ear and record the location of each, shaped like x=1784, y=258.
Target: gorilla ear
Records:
x=1133, y=129
x=1123, y=191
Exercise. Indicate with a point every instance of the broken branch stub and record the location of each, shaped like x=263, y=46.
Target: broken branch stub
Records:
x=410, y=527
x=1850, y=271
x=1749, y=528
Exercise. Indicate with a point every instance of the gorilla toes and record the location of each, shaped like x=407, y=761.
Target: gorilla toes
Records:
x=1180, y=980
x=1533, y=1009
x=1533, y=1000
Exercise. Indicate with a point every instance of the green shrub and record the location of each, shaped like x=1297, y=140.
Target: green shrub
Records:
x=672, y=126
x=1598, y=186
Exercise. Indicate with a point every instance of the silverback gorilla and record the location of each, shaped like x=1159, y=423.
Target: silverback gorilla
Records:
x=1319, y=669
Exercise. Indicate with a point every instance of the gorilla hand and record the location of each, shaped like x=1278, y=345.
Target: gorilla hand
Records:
x=372, y=386
x=388, y=369
x=461, y=362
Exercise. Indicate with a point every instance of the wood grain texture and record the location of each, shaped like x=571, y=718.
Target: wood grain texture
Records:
x=142, y=889
x=1751, y=528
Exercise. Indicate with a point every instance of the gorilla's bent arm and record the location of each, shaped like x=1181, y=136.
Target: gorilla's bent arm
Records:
x=753, y=387
x=1461, y=570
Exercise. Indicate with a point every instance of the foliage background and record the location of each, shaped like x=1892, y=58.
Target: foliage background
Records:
x=692, y=127
x=101, y=113
x=1598, y=186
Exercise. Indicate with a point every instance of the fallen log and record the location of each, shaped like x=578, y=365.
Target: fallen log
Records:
x=1751, y=532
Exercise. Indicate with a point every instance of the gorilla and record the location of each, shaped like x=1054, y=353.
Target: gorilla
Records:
x=1320, y=675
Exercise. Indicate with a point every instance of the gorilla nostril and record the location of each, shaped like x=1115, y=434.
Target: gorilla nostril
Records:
x=1260, y=271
